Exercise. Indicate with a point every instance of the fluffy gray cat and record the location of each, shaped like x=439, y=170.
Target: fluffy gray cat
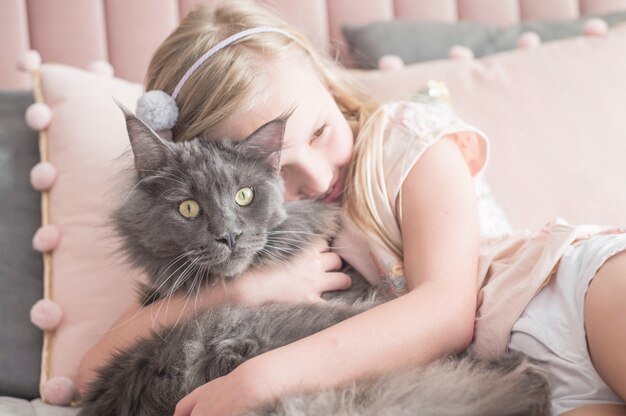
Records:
x=200, y=212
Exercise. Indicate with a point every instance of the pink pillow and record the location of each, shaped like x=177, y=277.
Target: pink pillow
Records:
x=555, y=117
x=89, y=281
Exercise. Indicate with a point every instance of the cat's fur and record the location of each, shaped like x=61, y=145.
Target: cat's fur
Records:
x=180, y=255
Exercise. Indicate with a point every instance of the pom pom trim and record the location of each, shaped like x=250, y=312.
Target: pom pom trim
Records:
x=47, y=257
x=46, y=314
x=58, y=391
x=29, y=61
x=38, y=116
x=460, y=53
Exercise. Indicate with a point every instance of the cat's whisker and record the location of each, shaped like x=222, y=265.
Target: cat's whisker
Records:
x=293, y=242
x=169, y=293
x=167, y=178
x=285, y=252
x=286, y=238
x=134, y=187
x=294, y=232
x=182, y=278
x=171, y=190
x=180, y=257
x=187, y=297
x=182, y=179
x=193, y=282
x=166, y=175
x=201, y=272
x=274, y=256
x=284, y=248
x=145, y=302
x=151, y=177
x=170, y=264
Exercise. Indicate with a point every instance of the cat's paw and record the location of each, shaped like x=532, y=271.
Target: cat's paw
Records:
x=230, y=353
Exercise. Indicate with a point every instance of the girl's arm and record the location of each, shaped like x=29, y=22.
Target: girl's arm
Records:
x=440, y=236
x=252, y=288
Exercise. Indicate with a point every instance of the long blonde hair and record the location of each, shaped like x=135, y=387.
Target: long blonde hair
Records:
x=226, y=83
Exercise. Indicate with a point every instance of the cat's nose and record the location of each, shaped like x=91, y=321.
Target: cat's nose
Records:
x=230, y=239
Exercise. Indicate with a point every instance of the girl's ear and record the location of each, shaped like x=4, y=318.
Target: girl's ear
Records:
x=266, y=142
x=149, y=149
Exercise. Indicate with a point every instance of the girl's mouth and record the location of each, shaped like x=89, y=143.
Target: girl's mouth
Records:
x=334, y=192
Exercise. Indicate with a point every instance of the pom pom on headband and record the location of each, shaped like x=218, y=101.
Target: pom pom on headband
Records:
x=158, y=109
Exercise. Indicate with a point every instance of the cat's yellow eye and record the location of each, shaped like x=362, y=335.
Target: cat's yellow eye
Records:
x=189, y=209
x=244, y=196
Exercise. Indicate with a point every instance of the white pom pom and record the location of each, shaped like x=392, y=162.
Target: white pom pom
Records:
x=46, y=314
x=29, y=61
x=462, y=53
x=102, y=68
x=595, y=27
x=59, y=391
x=38, y=116
x=528, y=40
x=390, y=63
x=158, y=110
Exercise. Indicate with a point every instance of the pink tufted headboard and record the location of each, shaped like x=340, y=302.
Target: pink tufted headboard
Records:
x=125, y=33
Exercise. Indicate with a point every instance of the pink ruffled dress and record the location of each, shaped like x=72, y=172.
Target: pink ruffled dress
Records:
x=513, y=266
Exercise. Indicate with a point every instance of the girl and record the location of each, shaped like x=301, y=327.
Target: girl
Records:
x=405, y=175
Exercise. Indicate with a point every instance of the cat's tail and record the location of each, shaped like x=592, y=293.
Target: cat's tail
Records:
x=512, y=386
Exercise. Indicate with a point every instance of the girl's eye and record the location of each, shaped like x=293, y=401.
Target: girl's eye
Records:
x=189, y=209
x=317, y=133
x=244, y=196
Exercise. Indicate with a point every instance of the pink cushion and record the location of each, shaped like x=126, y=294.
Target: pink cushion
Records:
x=555, y=117
x=86, y=136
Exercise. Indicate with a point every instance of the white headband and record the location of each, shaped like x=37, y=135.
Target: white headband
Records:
x=158, y=109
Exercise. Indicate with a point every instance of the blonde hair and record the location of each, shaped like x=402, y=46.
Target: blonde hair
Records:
x=226, y=84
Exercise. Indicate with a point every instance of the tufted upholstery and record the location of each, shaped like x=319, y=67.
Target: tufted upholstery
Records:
x=125, y=33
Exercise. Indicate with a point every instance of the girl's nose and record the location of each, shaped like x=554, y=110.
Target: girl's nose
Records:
x=312, y=179
x=315, y=183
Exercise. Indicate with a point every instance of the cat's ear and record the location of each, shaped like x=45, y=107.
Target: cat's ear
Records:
x=266, y=142
x=149, y=149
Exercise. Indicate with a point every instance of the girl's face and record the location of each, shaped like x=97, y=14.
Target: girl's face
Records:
x=318, y=139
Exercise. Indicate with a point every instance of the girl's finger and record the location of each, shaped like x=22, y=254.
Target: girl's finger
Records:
x=335, y=281
x=321, y=245
x=187, y=403
x=330, y=261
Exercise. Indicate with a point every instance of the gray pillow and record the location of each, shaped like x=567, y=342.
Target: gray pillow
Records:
x=419, y=41
x=21, y=268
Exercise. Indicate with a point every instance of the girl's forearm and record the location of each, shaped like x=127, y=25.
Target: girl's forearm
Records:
x=375, y=342
x=138, y=322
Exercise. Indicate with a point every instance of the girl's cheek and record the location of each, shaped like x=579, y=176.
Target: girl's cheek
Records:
x=343, y=148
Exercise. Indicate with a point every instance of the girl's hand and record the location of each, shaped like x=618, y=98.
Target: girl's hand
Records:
x=229, y=395
x=303, y=279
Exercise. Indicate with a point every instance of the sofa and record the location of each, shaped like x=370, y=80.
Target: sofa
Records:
x=543, y=79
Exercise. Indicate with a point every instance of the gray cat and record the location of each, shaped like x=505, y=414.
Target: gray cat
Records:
x=204, y=211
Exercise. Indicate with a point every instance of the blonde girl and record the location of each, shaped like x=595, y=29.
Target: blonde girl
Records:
x=405, y=174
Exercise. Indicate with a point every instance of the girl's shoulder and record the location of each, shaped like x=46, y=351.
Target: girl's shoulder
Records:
x=412, y=127
x=419, y=117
